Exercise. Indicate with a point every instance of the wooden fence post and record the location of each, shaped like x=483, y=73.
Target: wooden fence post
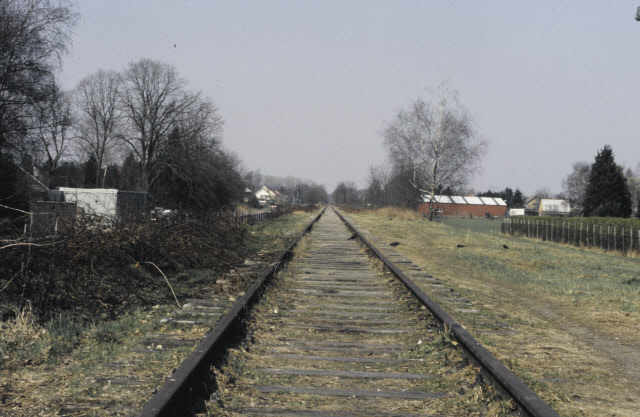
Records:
x=580, y=244
x=586, y=238
x=601, y=247
x=608, y=240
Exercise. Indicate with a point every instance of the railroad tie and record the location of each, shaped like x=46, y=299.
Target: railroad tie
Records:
x=334, y=341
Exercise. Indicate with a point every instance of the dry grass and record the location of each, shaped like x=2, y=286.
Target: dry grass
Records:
x=47, y=365
x=574, y=312
x=394, y=213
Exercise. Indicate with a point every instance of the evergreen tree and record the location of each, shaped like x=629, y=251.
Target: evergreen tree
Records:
x=518, y=199
x=399, y=192
x=131, y=178
x=507, y=196
x=112, y=177
x=514, y=199
x=607, y=193
x=91, y=173
x=67, y=174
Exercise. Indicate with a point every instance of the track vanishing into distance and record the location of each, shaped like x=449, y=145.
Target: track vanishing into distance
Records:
x=339, y=335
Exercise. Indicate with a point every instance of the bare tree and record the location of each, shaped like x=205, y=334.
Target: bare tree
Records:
x=253, y=180
x=345, y=193
x=575, y=185
x=33, y=36
x=98, y=117
x=154, y=101
x=633, y=182
x=184, y=168
x=437, y=142
x=53, y=122
x=543, y=192
x=377, y=183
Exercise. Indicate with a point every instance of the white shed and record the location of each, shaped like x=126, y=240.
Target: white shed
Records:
x=554, y=207
x=107, y=203
x=102, y=202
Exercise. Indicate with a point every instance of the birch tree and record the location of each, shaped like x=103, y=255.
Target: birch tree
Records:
x=436, y=141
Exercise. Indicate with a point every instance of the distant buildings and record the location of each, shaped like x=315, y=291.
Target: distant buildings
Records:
x=267, y=197
x=536, y=206
x=464, y=206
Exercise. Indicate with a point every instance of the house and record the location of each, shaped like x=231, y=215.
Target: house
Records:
x=554, y=207
x=532, y=206
x=464, y=206
x=267, y=197
x=536, y=206
x=248, y=194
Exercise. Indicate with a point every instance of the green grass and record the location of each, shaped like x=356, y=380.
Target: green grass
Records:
x=569, y=306
x=482, y=225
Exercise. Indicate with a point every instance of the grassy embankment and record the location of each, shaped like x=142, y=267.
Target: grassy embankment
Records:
x=44, y=365
x=574, y=312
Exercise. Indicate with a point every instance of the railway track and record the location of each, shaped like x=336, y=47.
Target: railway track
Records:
x=339, y=335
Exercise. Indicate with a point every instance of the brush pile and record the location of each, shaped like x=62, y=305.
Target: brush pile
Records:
x=89, y=267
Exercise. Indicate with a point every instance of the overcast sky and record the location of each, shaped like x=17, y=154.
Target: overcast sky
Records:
x=306, y=87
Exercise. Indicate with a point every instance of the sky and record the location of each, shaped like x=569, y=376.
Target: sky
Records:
x=306, y=87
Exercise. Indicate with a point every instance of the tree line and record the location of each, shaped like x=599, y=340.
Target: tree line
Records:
x=603, y=188
x=432, y=149
x=138, y=129
x=293, y=190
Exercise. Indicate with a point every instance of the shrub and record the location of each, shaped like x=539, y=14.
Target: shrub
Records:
x=91, y=267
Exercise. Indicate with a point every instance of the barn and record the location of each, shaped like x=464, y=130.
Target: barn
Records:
x=463, y=206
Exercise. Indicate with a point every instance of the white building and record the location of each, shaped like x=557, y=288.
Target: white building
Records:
x=107, y=203
x=554, y=207
x=266, y=196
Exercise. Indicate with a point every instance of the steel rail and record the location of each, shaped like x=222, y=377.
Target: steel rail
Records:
x=175, y=393
x=526, y=399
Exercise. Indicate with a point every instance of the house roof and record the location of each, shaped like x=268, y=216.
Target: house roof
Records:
x=88, y=190
x=456, y=199
x=264, y=191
